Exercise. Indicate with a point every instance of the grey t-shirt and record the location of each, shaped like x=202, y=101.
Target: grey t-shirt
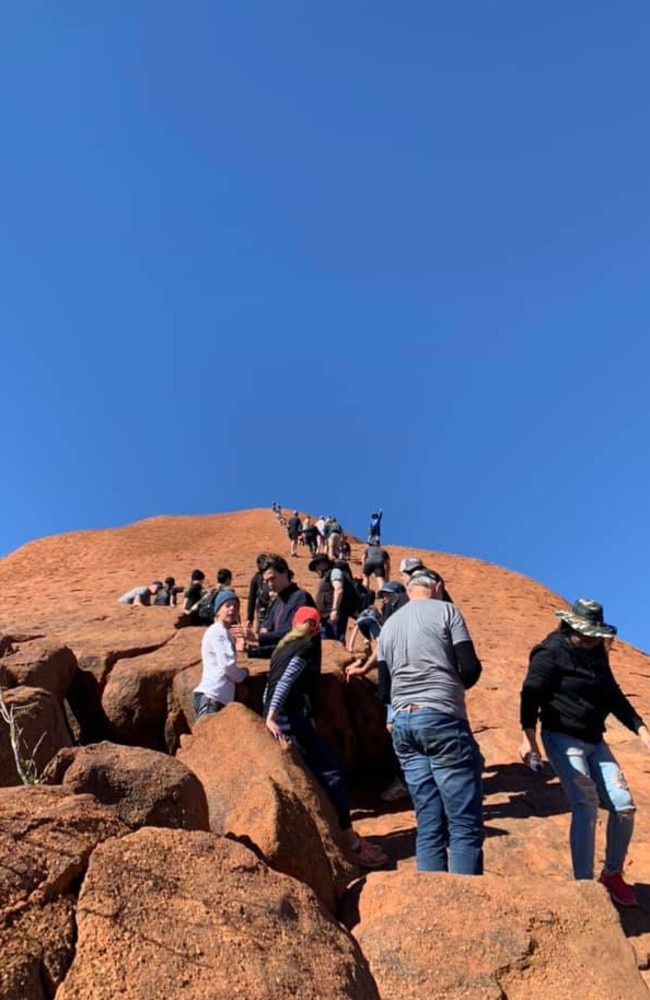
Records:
x=417, y=645
x=142, y=592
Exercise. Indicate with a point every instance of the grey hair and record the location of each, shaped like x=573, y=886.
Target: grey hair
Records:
x=425, y=580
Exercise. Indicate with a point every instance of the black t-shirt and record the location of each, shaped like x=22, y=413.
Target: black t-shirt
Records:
x=192, y=594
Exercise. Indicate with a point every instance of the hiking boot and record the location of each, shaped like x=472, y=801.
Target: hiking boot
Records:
x=619, y=890
x=395, y=791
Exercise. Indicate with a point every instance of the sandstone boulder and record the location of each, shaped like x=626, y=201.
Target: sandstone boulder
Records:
x=167, y=913
x=39, y=663
x=457, y=938
x=260, y=790
x=145, y=788
x=43, y=731
x=46, y=838
x=136, y=695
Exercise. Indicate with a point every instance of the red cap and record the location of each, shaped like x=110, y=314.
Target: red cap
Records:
x=306, y=614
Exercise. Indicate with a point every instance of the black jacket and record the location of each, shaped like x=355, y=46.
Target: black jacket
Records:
x=280, y=614
x=573, y=690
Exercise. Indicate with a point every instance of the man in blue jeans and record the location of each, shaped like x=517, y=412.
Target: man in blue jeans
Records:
x=430, y=657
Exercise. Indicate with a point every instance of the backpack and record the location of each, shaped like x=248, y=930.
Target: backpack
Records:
x=364, y=598
x=205, y=607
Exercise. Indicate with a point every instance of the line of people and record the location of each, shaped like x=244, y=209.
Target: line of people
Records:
x=417, y=640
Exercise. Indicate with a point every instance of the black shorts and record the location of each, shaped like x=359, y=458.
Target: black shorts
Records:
x=378, y=568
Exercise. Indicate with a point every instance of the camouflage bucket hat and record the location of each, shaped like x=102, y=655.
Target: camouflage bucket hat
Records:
x=586, y=617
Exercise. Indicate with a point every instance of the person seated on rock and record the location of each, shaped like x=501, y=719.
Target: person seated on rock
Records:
x=259, y=595
x=168, y=594
x=224, y=579
x=293, y=675
x=570, y=687
x=219, y=647
x=288, y=598
x=140, y=596
x=194, y=593
x=345, y=549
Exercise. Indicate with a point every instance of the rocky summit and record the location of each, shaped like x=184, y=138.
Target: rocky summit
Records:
x=159, y=857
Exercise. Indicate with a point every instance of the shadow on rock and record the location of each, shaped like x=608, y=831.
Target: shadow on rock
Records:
x=528, y=794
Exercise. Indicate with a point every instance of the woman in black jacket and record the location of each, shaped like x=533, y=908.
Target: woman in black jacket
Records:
x=571, y=688
x=293, y=674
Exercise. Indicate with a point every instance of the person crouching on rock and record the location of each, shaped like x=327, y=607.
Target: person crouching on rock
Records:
x=293, y=674
x=221, y=642
x=570, y=685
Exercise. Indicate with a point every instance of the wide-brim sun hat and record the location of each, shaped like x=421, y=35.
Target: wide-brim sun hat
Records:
x=587, y=617
x=317, y=560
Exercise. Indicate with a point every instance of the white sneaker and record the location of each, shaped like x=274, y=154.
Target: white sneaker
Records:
x=396, y=790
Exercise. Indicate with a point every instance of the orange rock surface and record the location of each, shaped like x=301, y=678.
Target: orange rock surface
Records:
x=65, y=588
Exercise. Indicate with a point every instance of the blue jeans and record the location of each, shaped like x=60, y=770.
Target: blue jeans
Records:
x=441, y=762
x=203, y=705
x=588, y=773
x=335, y=630
x=323, y=764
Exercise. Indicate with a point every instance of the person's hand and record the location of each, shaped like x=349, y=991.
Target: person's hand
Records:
x=334, y=615
x=529, y=745
x=263, y=631
x=238, y=631
x=275, y=730
x=240, y=644
x=355, y=669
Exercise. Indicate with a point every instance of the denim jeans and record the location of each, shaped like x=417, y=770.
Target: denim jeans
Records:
x=335, y=630
x=323, y=764
x=203, y=705
x=588, y=773
x=441, y=762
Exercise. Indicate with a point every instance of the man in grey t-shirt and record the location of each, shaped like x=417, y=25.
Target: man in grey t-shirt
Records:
x=431, y=661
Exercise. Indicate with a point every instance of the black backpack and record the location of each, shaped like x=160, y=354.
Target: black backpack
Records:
x=364, y=597
x=205, y=607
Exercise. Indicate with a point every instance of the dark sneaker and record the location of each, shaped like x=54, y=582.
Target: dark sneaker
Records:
x=619, y=890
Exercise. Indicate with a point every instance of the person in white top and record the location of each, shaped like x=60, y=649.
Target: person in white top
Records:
x=221, y=642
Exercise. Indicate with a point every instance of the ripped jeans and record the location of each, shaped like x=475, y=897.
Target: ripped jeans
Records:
x=589, y=775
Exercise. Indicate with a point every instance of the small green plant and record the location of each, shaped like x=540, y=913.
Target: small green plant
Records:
x=25, y=763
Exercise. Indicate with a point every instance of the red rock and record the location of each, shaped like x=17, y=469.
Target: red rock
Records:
x=461, y=938
x=170, y=913
x=39, y=663
x=43, y=731
x=46, y=838
x=259, y=789
x=143, y=787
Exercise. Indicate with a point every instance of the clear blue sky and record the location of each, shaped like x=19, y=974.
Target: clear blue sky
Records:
x=341, y=255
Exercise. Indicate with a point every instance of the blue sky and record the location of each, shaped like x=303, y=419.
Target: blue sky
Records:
x=341, y=255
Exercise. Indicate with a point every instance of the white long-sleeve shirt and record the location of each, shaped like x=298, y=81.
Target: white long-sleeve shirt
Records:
x=220, y=670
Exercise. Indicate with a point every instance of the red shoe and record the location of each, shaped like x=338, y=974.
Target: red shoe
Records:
x=619, y=890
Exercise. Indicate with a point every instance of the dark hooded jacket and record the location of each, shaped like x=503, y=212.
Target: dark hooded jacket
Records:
x=573, y=690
